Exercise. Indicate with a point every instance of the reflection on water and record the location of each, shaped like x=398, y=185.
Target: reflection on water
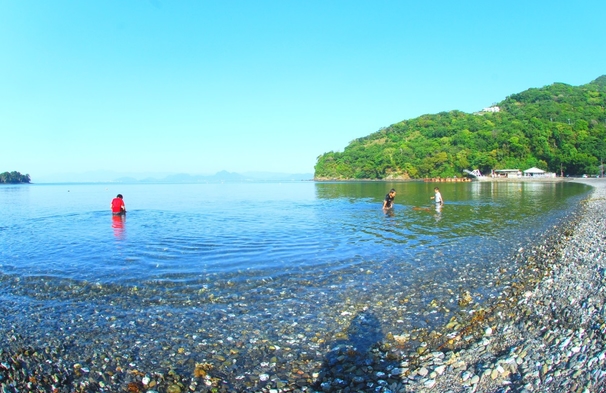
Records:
x=118, y=221
x=389, y=212
x=438, y=215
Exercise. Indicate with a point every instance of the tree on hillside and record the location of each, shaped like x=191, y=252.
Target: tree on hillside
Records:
x=557, y=127
x=14, y=178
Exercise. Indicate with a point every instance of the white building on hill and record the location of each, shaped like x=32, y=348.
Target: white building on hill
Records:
x=492, y=109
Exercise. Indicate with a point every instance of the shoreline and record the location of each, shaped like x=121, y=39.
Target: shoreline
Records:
x=541, y=334
x=486, y=179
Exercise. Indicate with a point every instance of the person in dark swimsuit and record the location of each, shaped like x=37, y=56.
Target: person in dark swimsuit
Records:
x=388, y=202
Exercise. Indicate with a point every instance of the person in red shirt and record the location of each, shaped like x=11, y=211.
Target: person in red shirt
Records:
x=117, y=205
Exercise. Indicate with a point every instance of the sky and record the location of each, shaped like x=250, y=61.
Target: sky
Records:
x=156, y=86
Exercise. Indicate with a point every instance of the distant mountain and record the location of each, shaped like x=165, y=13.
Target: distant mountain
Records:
x=187, y=178
x=222, y=176
x=96, y=177
x=225, y=176
x=273, y=176
x=125, y=180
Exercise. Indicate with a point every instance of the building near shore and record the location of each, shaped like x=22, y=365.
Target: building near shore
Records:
x=536, y=172
x=509, y=173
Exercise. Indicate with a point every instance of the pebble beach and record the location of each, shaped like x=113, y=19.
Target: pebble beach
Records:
x=545, y=332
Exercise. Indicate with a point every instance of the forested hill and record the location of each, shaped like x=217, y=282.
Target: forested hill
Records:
x=557, y=127
x=13, y=178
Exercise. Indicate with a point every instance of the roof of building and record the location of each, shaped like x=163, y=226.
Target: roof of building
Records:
x=534, y=170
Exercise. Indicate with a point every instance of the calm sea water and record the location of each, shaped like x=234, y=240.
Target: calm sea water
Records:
x=181, y=233
x=280, y=259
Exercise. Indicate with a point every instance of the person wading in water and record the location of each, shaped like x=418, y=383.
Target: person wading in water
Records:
x=117, y=205
x=388, y=202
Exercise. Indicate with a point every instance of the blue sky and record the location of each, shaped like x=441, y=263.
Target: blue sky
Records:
x=203, y=86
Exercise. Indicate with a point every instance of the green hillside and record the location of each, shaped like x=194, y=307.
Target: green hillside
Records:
x=557, y=127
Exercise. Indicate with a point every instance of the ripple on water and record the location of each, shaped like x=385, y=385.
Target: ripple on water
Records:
x=240, y=287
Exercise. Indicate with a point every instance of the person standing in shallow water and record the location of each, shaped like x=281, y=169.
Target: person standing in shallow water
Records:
x=437, y=196
x=388, y=202
x=117, y=205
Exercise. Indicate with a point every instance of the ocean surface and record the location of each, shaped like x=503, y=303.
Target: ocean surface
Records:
x=199, y=269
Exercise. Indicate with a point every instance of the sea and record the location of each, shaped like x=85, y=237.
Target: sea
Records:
x=244, y=276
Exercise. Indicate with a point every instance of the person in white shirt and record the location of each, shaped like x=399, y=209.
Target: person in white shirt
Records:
x=437, y=196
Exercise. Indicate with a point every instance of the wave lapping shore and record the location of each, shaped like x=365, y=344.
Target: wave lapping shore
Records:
x=547, y=332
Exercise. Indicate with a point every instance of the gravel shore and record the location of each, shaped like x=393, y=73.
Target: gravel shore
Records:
x=544, y=333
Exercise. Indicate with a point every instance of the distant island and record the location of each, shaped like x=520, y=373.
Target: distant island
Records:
x=14, y=178
x=557, y=128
